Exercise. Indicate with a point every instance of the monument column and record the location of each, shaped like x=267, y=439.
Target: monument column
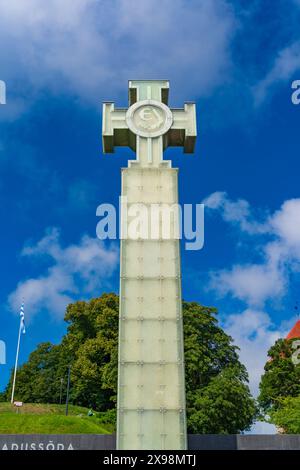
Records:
x=151, y=386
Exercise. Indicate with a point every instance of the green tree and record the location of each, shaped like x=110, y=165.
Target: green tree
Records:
x=287, y=416
x=281, y=378
x=218, y=397
x=224, y=406
x=37, y=379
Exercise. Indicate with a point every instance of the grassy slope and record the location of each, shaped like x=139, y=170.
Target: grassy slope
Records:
x=49, y=419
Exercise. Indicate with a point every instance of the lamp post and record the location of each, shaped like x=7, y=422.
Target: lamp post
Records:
x=60, y=394
x=68, y=390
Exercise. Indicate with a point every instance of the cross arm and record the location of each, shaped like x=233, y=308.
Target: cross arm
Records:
x=114, y=128
x=183, y=132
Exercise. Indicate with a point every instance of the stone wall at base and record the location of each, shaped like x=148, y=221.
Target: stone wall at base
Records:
x=244, y=442
x=57, y=441
x=108, y=442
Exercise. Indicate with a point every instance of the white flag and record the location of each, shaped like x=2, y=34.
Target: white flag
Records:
x=22, y=324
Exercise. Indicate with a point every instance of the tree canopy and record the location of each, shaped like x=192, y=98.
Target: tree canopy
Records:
x=281, y=378
x=287, y=416
x=218, y=396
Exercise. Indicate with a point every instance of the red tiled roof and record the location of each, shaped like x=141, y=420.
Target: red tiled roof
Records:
x=295, y=331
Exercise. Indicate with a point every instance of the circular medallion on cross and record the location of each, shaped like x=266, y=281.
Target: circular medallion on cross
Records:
x=149, y=118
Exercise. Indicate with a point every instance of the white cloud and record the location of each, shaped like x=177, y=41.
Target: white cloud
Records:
x=286, y=224
x=80, y=269
x=276, y=240
x=254, y=333
x=92, y=47
x=285, y=65
x=278, y=245
x=251, y=283
x=237, y=212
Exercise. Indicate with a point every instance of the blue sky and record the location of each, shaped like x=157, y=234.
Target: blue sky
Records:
x=60, y=60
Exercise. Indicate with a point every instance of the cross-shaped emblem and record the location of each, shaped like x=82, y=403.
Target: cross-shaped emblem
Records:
x=149, y=126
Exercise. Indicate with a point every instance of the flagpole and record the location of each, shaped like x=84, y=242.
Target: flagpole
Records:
x=16, y=363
